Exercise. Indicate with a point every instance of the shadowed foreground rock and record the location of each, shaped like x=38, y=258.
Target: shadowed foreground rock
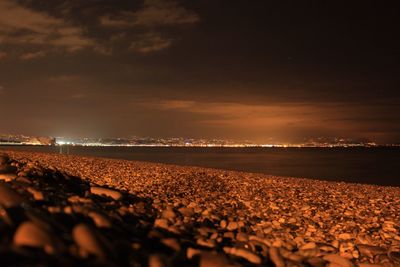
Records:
x=60, y=210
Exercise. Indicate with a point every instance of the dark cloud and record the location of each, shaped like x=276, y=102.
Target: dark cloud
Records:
x=218, y=68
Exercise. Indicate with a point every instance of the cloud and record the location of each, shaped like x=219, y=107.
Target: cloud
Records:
x=151, y=19
x=150, y=42
x=20, y=25
x=154, y=13
x=32, y=55
x=3, y=55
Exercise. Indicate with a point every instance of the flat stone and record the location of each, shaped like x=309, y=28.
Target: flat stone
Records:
x=8, y=197
x=88, y=241
x=31, y=235
x=97, y=190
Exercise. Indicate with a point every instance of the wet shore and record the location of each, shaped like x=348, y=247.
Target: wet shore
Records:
x=67, y=210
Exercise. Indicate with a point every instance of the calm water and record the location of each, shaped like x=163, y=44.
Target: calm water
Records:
x=362, y=165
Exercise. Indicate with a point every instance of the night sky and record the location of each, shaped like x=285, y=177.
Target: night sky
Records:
x=255, y=70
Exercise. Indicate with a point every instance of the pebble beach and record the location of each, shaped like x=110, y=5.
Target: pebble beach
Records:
x=65, y=210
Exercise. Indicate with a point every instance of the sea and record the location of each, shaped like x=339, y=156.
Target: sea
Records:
x=377, y=165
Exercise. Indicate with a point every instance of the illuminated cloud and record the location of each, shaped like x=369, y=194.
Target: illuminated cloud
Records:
x=155, y=13
x=32, y=55
x=3, y=55
x=150, y=42
x=20, y=25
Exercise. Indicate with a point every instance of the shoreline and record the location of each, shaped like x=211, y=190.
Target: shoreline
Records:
x=249, y=218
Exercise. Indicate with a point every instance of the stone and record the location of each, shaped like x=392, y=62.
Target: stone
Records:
x=276, y=257
x=344, y=236
x=168, y=214
x=232, y=226
x=8, y=177
x=37, y=195
x=88, y=241
x=31, y=235
x=156, y=260
x=243, y=253
x=8, y=197
x=172, y=243
x=97, y=190
x=161, y=223
x=186, y=212
x=338, y=260
x=191, y=252
x=370, y=251
x=100, y=220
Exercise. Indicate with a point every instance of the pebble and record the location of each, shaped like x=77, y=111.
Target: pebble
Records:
x=232, y=226
x=31, y=235
x=37, y=195
x=8, y=197
x=8, y=177
x=106, y=192
x=276, y=257
x=88, y=241
x=100, y=220
x=243, y=253
x=253, y=218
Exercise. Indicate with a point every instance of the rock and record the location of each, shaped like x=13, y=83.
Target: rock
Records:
x=191, y=252
x=243, y=253
x=232, y=226
x=156, y=260
x=37, y=195
x=8, y=177
x=171, y=243
x=106, y=192
x=338, y=260
x=310, y=245
x=100, y=220
x=161, y=223
x=8, y=197
x=276, y=257
x=88, y=241
x=370, y=251
x=31, y=235
x=168, y=214
x=186, y=212
x=344, y=236
x=206, y=242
